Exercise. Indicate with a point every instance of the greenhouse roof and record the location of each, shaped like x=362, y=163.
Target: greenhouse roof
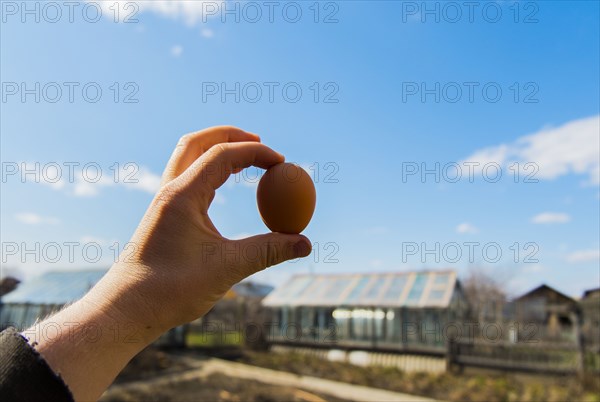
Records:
x=400, y=289
x=55, y=287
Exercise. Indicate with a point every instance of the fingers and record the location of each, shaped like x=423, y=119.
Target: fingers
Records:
x=262, y=251
x=191, y=146
x=210, y=171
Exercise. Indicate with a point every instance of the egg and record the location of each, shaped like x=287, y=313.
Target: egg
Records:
x=286, y=198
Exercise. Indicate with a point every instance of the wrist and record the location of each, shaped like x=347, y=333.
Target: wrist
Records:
x=88, y=344
x=126, y=302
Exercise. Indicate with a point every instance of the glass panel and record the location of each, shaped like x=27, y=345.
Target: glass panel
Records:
x=344, y=285
x=441, y=279
x=396, y=287
x=411, y=327
x=417, y=289
x=18, y=315
x=317, y=287
x=322, y=289
x=336, y=289
x=358, y=288
x=361, y=327
x=298, y=286
x=393, y=324
x=33, y=313
x=436, y=295
x=375, y=288
x=342, y=326
x=379, y=317
x=6, y=315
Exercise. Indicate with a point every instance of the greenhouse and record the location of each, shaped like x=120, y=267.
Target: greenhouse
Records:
x=405, y=312
x=45, y=294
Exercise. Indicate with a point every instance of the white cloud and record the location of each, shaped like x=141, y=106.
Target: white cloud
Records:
x=144, y=180
x=29, y=218
x=551, y=217
x=240, y=236
x=50, y=174
x=219, y=199
x=85, y=186
x=249, y=177
x=176, y=50
x=57, y=185
x=573, y=148
x=584, y=256
x=207, y=32
x=466, y=228
x=85, y=189
x=89, y=184
x=190, y=12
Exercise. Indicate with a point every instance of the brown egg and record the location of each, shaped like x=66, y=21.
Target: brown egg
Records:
x=286, y=198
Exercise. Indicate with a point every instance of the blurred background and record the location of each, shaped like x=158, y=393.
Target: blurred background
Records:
x=454, y=146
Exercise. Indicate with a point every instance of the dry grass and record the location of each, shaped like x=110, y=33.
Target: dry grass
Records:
x=149, y=363
x=488, y=388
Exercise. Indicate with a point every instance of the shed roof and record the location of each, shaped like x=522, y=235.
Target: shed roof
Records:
x=591, y=293
x=548, y=292
x=55, y=287
x=394, y=289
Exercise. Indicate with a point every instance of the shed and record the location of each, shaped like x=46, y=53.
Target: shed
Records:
x=554, y=314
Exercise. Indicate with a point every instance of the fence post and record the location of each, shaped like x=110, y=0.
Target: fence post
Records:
x=580, y=364
x=450, y=355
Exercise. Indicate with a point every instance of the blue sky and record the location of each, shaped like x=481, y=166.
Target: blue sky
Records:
x=368, y=125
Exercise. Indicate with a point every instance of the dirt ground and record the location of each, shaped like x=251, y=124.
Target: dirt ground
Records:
x=218, y=387
x=153, y=363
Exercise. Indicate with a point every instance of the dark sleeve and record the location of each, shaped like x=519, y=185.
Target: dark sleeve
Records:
x=25, y=375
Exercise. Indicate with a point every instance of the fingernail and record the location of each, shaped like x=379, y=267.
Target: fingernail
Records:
x=302, y=248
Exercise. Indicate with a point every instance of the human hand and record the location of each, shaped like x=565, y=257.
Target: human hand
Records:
x=180, y=265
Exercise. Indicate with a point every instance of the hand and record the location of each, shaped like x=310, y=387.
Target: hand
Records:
x=180, y=264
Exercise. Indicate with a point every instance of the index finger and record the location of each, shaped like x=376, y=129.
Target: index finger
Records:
x=191, y=146
x=210, y=171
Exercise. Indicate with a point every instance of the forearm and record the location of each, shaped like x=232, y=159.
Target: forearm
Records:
x=89, y=342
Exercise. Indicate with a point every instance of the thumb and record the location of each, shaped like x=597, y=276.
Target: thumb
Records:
x=269, y=249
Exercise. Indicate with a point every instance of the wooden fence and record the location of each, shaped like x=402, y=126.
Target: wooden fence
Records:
x=539, y=357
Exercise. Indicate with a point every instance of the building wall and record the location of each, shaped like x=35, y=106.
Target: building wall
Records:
x=590, y=311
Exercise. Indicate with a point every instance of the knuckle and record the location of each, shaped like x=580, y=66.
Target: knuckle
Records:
x=171, y=198
x=229, y=128
x=166, y=194
x=184, y=140
x=217, y=151
x=271, y=254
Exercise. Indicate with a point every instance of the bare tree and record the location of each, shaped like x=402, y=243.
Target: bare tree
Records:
x=486, y=295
